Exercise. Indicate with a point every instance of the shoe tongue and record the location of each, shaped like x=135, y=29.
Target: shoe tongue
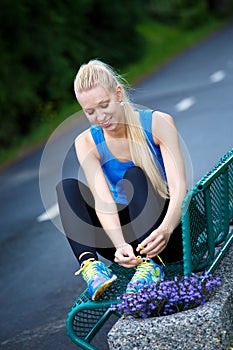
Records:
x=146, y=260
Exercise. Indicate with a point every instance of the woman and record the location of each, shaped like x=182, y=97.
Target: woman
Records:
x=136, y=184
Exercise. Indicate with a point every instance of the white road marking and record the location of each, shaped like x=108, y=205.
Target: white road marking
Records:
x=217, y=76
x=185, y=104
x=49, y=214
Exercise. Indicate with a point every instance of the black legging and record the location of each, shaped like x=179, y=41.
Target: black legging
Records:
x=143, y=214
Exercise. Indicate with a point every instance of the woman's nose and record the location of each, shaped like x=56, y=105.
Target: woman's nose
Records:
x=99, y=115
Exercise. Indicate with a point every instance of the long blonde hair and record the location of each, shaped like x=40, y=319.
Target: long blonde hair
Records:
x=96, y=73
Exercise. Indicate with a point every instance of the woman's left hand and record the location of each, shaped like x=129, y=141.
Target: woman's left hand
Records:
x=155, y=243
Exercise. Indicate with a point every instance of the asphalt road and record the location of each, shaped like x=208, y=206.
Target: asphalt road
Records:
x=37, y=284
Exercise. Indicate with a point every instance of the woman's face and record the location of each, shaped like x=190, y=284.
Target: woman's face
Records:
x=102, y=107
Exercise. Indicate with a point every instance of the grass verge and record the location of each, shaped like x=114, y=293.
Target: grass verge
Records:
x=164, y=42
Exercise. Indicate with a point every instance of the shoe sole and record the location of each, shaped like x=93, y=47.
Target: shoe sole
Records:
x=103, y=287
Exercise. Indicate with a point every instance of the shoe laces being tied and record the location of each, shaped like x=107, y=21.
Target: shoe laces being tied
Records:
x=143, y=268
x=139, y=257
x=88, y=269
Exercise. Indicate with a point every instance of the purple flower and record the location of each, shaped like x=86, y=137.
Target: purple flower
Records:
x=168, y=296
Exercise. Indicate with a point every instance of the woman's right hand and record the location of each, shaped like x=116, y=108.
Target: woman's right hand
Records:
x=125, y=257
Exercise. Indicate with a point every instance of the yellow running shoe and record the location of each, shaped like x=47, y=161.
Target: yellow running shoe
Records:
x=97, y=275
x=146, y=272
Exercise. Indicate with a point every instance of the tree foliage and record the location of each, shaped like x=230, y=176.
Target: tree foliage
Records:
x=188, y=13
x=42, y=44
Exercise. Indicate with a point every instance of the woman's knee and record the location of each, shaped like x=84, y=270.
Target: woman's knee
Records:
x=135, y=173
x=72, y=192
x=65, y=195
x=67, y=187
x=136, y=185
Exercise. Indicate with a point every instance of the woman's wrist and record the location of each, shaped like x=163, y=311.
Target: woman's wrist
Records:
x=118, y=246
x=169, y=222
x=169, y=228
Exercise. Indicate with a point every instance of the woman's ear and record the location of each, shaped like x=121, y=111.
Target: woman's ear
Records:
x=119, y=93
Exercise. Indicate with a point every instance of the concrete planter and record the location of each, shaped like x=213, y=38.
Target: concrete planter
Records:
x=206, y=327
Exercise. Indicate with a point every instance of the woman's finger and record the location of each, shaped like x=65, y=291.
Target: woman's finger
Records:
x=156, y=251
x=128, y=264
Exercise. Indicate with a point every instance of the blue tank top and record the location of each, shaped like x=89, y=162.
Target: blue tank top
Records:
x=114, y=169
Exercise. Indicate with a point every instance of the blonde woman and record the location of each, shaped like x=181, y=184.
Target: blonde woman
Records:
x=131, y=208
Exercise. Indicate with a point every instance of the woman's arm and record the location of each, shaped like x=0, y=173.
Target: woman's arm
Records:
x=105, y=205
x=166, y=136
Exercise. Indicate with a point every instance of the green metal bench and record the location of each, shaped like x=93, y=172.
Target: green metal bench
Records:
x=206, y=213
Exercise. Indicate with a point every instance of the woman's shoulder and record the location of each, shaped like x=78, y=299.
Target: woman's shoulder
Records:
x=83, y=137
x=84, y=141
x=148, y=114
x=162, y=125
x=162, y=117
x=161, y=120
